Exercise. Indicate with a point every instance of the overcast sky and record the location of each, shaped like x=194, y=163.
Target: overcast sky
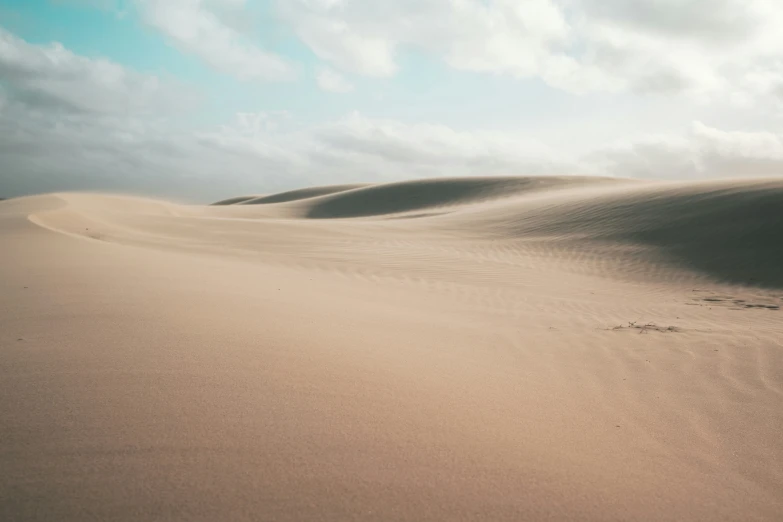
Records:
x=204, y=99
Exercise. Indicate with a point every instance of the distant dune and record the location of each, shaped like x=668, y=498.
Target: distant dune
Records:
x=414, y=196
x=724, y=229
x=517, y=348
x=235, y=201
x=300, y=194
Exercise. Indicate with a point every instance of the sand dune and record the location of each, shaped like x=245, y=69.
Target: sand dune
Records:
x=235, y=200
x=453, y=349
x=299, y=194
x=415, y=196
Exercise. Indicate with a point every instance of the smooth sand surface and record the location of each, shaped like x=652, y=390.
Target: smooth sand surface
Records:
x=472, y=349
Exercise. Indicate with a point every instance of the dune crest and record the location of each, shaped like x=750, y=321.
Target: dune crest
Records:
x=344, y=201
x=299, y=194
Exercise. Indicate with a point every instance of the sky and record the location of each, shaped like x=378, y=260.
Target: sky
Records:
x=197, y=100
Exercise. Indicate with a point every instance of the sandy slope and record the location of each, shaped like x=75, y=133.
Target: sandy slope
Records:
x=473, y=349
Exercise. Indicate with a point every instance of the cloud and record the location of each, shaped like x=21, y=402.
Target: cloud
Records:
x=52, y=78
x=724, y=51
x=727, y=49
x=364, y=36
x=430, y=149
x=195, y=27
x=356, y=148
x=68, y=122
x=332, y=81
x=704, y=152
x=85, y=152
x=701, y=20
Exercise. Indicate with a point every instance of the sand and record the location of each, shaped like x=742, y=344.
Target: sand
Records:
x=454, y=349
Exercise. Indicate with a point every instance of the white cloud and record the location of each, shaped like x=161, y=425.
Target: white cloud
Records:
x=706, y=20
x=434, y=150
x=195, y=27
x=332, y=81
x=704, y=152
x=711, y=50
x=727, y=49
x=356, y=148
x=364, y=36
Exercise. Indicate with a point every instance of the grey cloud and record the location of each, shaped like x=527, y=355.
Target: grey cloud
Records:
x=702, y=48
x=53, y=78
x=73, y=123
x=716, y=21
x=702, y=153
x=86, y=154
x=377, y=146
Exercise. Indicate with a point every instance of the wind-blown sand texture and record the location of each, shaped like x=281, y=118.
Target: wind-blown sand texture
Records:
x=451, y=349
